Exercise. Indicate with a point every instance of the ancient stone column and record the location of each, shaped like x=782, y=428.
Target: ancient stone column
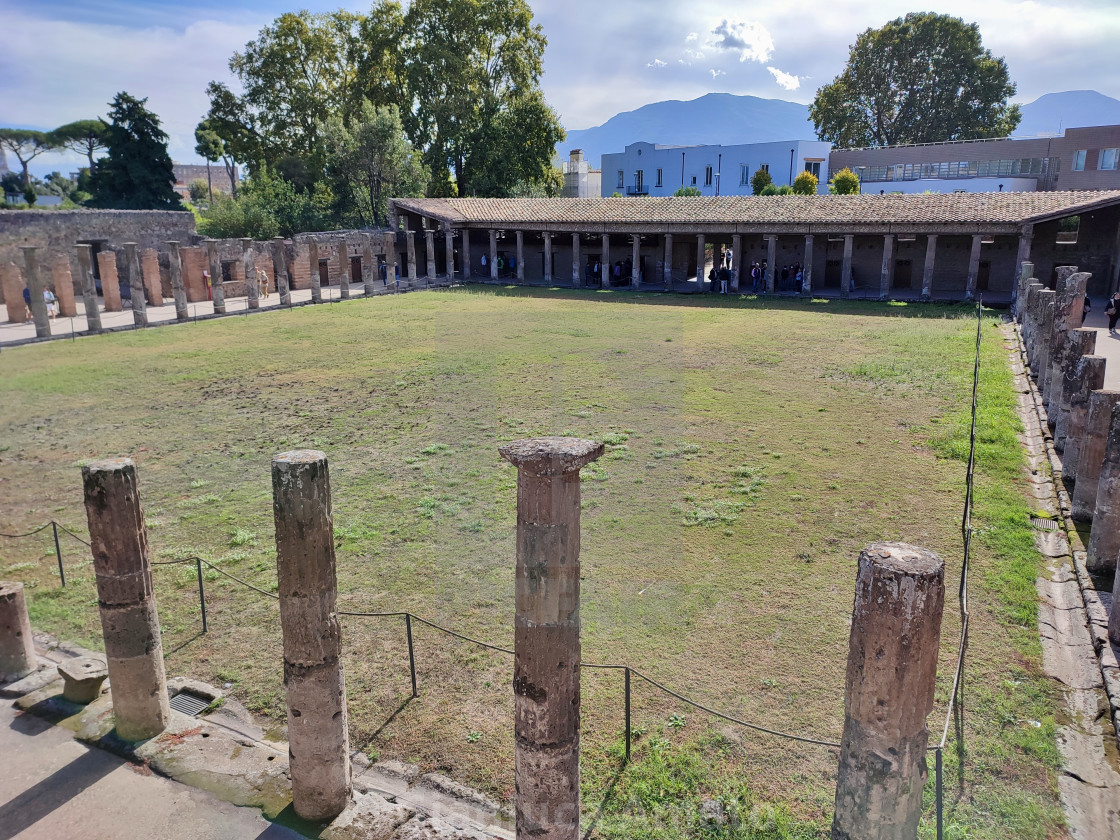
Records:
x=1114, y=614
x=129, y=621
x=410, y=249
x=605, y=262
x=1047, y=300
x=521, y=256
x=1090, y=417
x=280, y=271
x=1068, y=308
x=892, y=670
x=669, y=262
x=806, y=266
x=389, y=241
x=1104, y=538
x=249, y=269
x=39, y=312
x=1079, y=342
x=110, y=282
x=136, y=285
x=577, y=267
x=178, y=290
x=737, y=253
x=547, y=257
x=369, y=265
x=1026, y=273
x=319, y=747
x=344, y=270
x=846, y=267
x=12, y=282
x=635, y=260
x=1026, y=234
x=546, y=669
x=927, y=271
x=216, y=289
x=465, y=257
x=89, y=289
x=771, y=258
x=149, y=271
x=449, y=257
x=1026, y=324
x=701, y=257
x=313, y=264
x=17, y=647
x=63, y=285
x=973, y=266
x=886, y=274
x=430, y=245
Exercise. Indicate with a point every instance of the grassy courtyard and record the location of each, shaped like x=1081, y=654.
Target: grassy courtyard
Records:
x=753, y=448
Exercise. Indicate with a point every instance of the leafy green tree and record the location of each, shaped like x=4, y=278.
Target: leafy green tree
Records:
x=208, y=146
x=213, y=148
x=805, y=184
x=512, y=154
x=26, y=145
x=11, y=184
x=137, y=173
x=82, y=136
x=760, y=180
x=769, y=189
x=370, y=162
x=687, y=192
x=844, y=182
x=267, y=206
x=199, y=190
x=921, y=78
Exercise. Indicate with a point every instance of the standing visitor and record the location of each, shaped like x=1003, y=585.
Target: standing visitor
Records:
x=1112, y=310
x=1088, y=308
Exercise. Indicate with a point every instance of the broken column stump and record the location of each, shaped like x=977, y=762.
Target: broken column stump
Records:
x=1104, y=538
x=17, y=648
x=178, y=290
x=129, y=622
x=546, y=669
x=39, y=312
x=1085, y=450
x=12, y=283
x=280, y=271
x=1078, y=343
x=318, y=740
x=136, y=285
x=110, y=280
x=1088, y=377
x=82, y=679
x=892, y=670
x=89, y=288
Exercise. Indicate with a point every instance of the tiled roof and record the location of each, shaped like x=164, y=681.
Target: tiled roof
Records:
x=944, y=208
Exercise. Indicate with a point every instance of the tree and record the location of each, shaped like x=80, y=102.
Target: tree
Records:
x=805, y=184
x=687, y=192
x=26, y=144
x=921, y=78
x=844, y=182
x=760, y=180
x=137, y=173
x=199, y=190
x=370, y=162
x=213, y=148
x=82, y=136
x=267, y=206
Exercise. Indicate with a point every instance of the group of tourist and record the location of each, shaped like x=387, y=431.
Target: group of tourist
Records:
x=48, y=298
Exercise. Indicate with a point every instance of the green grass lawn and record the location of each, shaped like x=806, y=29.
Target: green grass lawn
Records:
x=753, y=448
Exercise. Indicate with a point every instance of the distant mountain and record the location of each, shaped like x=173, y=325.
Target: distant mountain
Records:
x=722, y=118
x=726, y=119
x=1055, y=112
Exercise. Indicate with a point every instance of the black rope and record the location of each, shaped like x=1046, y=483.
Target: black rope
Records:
x=28, y=534
x=62, y=527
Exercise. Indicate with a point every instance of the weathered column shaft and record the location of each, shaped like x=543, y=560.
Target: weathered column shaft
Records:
x=1030, y=301
x=430, y=243
x=39, y=312
x=249, y=269
x=546, y=671
x=547, y=257
x=1079, y=342
x=846, y=266
x=17, y=647
x=319, y=746
x=110, y=280
x=1090, y=415
x=149, y=271
x=807, y=266
x=343, y=270
x=1068, y=307
x=1026, y=273
x=520, y=256
x=668, y=265
x=449, y=258
x=737, y=253
x=369, y=265
x=313, y=265
x=635, y=260
x=577, y=265
x=973, y=266
x=178, y=290
x=892, y=671
x=701, y=258
x=410, y=251
x=280, y=271
x=466, y=256
x=1104, y=537
x=63, y=285
x=886, y=273
x=129, y=621
x=1047, y=299
x=136, y=285
x=89, y=288
x=605, y=262
x=217, y=288
x=493, y=255
x=1026, y=234
x=771, y=258
x=927, y=271
x=12, y=282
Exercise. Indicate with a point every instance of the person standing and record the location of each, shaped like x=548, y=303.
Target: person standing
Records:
x=1112, y=310
x=1088, y=308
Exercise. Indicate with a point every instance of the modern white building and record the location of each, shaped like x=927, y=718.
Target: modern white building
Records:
x=580, y=180
x=653, y=169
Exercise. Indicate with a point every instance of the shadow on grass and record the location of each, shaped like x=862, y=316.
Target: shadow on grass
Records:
x=605, y=802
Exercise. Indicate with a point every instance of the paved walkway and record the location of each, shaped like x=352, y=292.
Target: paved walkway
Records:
x=1107, y=345
x=52, y=786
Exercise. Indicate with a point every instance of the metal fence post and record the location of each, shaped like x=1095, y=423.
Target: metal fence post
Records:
x=411, y=652
x=58, y=553
x=201, y=593
x=627, y=714
x=940, y=794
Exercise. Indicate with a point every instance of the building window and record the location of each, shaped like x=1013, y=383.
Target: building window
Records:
x=1067, y=230
x=639, y=181
x=1079, y=160
x=744, y=175
x=707, y=176
x=1108, y=159
x=765, y=167
x=659, y=177
x=694, y=180
x=813, y=167
x=620, y=176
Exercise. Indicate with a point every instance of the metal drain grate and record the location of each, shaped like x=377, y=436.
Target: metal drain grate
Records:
x=189, y=704
x=1044, y=524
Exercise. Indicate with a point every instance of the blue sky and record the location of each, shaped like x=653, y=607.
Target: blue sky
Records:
x=63, y=60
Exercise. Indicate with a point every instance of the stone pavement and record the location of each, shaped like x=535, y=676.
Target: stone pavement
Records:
x=54, y=786
x=1107, y=345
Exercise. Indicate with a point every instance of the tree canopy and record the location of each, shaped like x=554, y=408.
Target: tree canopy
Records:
x=26, y=144
x=805, y=184
x=137, y=173
x=844, y=182
x=921, y=78
x=82, y=136
x=760, y=180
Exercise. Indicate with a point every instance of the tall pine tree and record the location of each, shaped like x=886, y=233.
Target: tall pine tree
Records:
x=137, y=173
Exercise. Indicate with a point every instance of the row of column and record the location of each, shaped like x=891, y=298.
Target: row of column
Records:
x=1084, y=416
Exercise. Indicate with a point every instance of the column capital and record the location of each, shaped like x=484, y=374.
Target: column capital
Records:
x=550, y=456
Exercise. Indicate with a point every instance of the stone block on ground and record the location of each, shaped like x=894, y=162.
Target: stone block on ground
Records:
x=82, y=678
x=368, y=817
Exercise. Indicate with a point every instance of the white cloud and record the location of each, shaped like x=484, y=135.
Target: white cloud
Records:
x=749, y=38
x=716, y=73
x=692, y=36
x=657, y=64
x=785, y=80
